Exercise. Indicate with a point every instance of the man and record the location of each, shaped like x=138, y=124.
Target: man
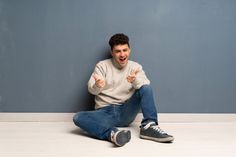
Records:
x=121, y=89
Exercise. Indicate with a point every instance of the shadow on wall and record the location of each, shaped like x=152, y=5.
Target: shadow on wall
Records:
x=86, y=101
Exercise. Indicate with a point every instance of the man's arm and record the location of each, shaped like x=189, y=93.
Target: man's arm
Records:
x=138, y=78
x=96, y=82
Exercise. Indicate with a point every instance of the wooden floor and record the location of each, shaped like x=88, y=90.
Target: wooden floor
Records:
x=63, y=139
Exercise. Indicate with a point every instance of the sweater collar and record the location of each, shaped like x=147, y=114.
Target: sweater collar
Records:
x=117, y=65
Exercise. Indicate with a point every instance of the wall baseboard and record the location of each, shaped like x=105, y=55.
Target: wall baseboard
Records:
x=163, y=117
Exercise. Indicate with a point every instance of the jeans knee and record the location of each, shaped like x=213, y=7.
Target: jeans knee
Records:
x=146, y=88
x=76, y=118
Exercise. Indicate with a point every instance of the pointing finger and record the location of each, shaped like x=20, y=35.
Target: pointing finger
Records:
x=136, y=71
x=95, y=76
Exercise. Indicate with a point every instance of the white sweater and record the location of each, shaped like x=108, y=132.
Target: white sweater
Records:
x=117, y=89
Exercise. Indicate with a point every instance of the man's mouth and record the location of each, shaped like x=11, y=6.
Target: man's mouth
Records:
x=122, y=59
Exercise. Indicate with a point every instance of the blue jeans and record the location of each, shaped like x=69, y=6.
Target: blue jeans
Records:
x=99, y=123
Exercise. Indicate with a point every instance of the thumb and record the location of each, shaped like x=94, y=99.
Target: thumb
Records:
x=95, y=76
x=136, y=71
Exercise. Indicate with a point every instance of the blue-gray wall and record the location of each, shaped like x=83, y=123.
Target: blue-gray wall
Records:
x=48, y=49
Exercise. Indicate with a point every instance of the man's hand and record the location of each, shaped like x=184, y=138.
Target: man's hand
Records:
x=132, y=76
x=100, y=83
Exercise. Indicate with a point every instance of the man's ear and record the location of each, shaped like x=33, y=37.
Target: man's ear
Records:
x=111, y=53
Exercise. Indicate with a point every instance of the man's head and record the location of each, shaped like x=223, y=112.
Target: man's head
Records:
x=120, y=49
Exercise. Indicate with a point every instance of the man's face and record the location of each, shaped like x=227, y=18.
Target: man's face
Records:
x=120, y=54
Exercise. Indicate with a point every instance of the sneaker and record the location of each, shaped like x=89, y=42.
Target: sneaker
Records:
x=153, y=132
x=120, y=137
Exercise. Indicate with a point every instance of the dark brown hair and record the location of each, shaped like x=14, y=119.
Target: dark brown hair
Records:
x=118, y=39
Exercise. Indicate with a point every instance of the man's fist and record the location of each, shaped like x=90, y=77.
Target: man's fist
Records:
x=99, y=82
x=132, y=76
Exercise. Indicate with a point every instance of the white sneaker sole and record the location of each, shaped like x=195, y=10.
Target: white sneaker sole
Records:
x=163, y=140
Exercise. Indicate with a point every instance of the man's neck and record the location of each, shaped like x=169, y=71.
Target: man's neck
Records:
x=117, y=65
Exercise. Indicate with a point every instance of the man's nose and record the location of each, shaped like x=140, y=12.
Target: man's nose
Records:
x=122, y=53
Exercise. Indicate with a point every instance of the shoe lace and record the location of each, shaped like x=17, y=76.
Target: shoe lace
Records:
x=154, y=127
x=158, y=129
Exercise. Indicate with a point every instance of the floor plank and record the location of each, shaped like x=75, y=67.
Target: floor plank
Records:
x=60, y=139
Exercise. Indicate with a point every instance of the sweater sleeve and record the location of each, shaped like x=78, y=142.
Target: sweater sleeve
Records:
x=100, y=71
x=141, y=79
